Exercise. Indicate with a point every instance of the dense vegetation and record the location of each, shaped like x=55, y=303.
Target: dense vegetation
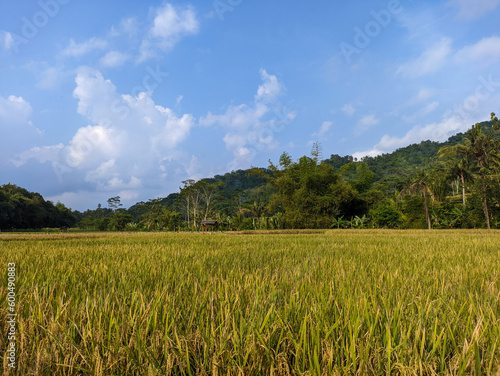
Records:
x=329, y=303
x=427, y=185
x=20, y=209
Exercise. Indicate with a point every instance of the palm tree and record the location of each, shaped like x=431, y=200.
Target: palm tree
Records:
x=478, y=146
x=419, y=184
x=456, y=168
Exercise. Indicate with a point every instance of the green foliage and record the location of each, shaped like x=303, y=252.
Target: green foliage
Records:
x=311, y=194
x=386, y=216
x=413, y=211
x=21, y=209
x=119, y=221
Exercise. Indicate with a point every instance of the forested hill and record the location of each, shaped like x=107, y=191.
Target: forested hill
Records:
x=403, y=160
x=21, y=209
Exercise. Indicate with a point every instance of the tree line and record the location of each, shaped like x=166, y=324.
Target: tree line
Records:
x=427, y=185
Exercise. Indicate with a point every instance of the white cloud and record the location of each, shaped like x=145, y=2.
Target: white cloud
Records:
x=127, y=26
x=169, y=26
x=79, y=49
x=325, y=127
x=6, y=40
x=270, y=88
x=367, y=153
x=323, y=130
x=427, y=109
x=43, y=154
x=170, y=23
x=17, y=131
x=365, y=123
x=434, y=132
x=49, y=76
x=178, y=100
x=252, y=128
x=114, y=59
x=348, y=109
x=91, y=144
x=473, y=9
x=430, y=61
x=368, y=121
x=420, y=97
x=485, y=51
x=14, y=111
x=440, y=132
x=127, y=142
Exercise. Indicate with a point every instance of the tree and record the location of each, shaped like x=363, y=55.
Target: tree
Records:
x=481, y=147
x=207, y=194
x=456, y=168
x=309, y=194
x=386, y=215
x=191, y=193
x=154, y=213
x=317, y=152
x=419, y=185
x=114, y=203
x=496, y=123
x=118, y=221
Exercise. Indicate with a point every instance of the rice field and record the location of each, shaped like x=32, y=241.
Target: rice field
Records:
x=338, y=302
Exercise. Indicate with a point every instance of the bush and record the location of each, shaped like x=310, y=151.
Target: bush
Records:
x=386, y=215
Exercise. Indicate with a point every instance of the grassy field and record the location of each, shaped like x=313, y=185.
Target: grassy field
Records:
x=331, y=303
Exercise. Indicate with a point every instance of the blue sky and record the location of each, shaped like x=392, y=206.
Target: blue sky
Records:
x=106, y=98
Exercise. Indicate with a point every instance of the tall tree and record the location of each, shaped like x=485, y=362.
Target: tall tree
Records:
x=454, y=169
x=207, y=193
x=420, y=185
x=114, y=203
x=480, y=147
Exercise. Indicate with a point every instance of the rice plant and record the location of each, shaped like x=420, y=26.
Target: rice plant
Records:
x=337, y=302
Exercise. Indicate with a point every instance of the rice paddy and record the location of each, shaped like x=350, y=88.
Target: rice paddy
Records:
x=338, y=302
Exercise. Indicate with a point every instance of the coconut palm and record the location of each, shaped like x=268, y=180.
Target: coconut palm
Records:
x=457, y=168
x=480, y=147
x=419, y=184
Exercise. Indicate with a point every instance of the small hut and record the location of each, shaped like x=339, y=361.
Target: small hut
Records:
x=209, y=223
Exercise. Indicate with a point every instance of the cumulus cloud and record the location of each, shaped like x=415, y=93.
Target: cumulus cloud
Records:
x=473, y=9
x=17, y=130
x=42, y=154
x=79, y=49
x=14, y=111
x=252, y=127
x=126, y=144
x=270, y=88
x=170, y=24
x=430, y=61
